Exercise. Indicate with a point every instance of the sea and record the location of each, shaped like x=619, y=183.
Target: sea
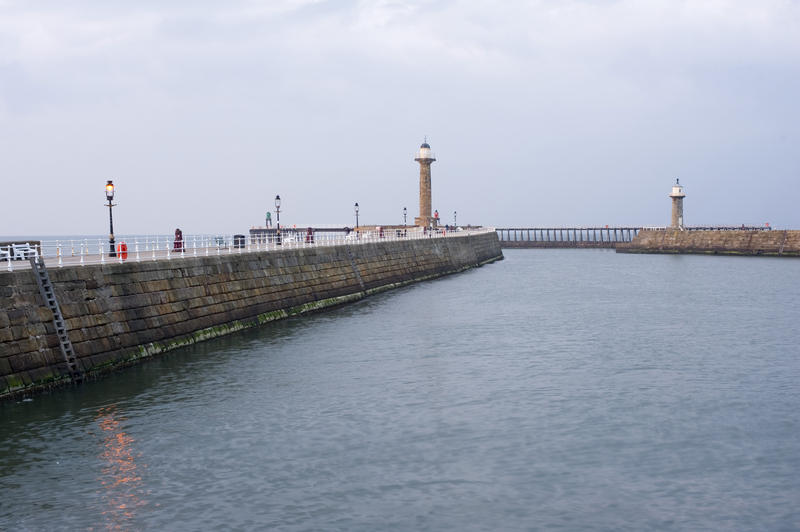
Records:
x=554, y=390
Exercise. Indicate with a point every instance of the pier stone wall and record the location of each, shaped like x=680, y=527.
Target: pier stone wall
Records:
x=768, y=243
x=117, y=314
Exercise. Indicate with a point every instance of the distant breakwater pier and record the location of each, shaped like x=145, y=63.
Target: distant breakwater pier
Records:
x=61, y=323
x=736, y=241
x=720, y=240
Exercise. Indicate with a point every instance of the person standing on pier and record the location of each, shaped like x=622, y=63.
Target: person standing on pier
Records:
x=269, y=219
x=177, y=245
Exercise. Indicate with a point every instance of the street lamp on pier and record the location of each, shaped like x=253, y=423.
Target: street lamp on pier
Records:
x=355, y=207
x=110, y=196
x=278, y=220
x=405, y=213
x=455, y=214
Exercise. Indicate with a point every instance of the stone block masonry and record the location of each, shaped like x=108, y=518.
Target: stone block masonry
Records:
x=118, y=314
x=765, y=243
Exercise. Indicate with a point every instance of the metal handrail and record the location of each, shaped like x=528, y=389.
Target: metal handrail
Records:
x=712, y=228
x=81, y=252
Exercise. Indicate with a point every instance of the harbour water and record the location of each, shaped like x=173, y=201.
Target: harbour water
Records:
x=555, y=390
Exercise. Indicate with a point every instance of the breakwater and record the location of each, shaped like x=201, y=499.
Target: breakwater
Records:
x=117, y=314
x=742, y=242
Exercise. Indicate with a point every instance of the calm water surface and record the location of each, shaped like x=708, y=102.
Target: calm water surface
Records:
x=558, y=389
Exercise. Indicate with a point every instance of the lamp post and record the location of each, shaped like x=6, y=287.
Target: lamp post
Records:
x=356, y=209
x=110, y=196
x=455, y=214
x=278, y=220
x=405, y=213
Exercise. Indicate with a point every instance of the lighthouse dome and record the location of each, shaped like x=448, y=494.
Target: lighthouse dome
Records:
x=425, y=152
x=677, y=189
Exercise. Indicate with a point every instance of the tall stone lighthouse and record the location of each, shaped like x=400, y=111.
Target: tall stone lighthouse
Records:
x=677, y=204
x=424, y=157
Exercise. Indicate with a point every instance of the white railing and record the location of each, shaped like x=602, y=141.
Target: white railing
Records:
x=742, y=227
x=139, y=248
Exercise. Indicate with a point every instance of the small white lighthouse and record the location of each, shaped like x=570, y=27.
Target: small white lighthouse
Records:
x=677, y=204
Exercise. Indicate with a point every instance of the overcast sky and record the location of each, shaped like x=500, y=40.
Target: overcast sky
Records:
x=540, y=112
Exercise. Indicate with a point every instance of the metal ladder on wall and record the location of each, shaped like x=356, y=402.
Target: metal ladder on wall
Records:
x=352, y=260
x=46, y=289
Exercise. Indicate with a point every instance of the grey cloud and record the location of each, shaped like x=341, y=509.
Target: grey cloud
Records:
x=541, y=112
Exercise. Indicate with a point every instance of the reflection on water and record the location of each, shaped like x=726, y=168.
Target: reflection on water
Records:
x=121, y=480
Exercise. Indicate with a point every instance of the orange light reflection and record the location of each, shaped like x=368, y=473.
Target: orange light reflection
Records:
x=121, y=482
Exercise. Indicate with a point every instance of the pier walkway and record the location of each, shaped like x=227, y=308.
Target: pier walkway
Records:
x=80, y=252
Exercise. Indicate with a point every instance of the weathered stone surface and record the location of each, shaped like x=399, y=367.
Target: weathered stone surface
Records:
x=770, y=243
x=117, y=314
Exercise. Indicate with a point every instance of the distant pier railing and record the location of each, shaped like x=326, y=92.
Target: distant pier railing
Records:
x=714, y=228
x=565, y=237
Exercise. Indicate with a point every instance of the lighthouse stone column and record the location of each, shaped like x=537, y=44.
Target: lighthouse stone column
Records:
x=424, y=157
x=677, y=205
